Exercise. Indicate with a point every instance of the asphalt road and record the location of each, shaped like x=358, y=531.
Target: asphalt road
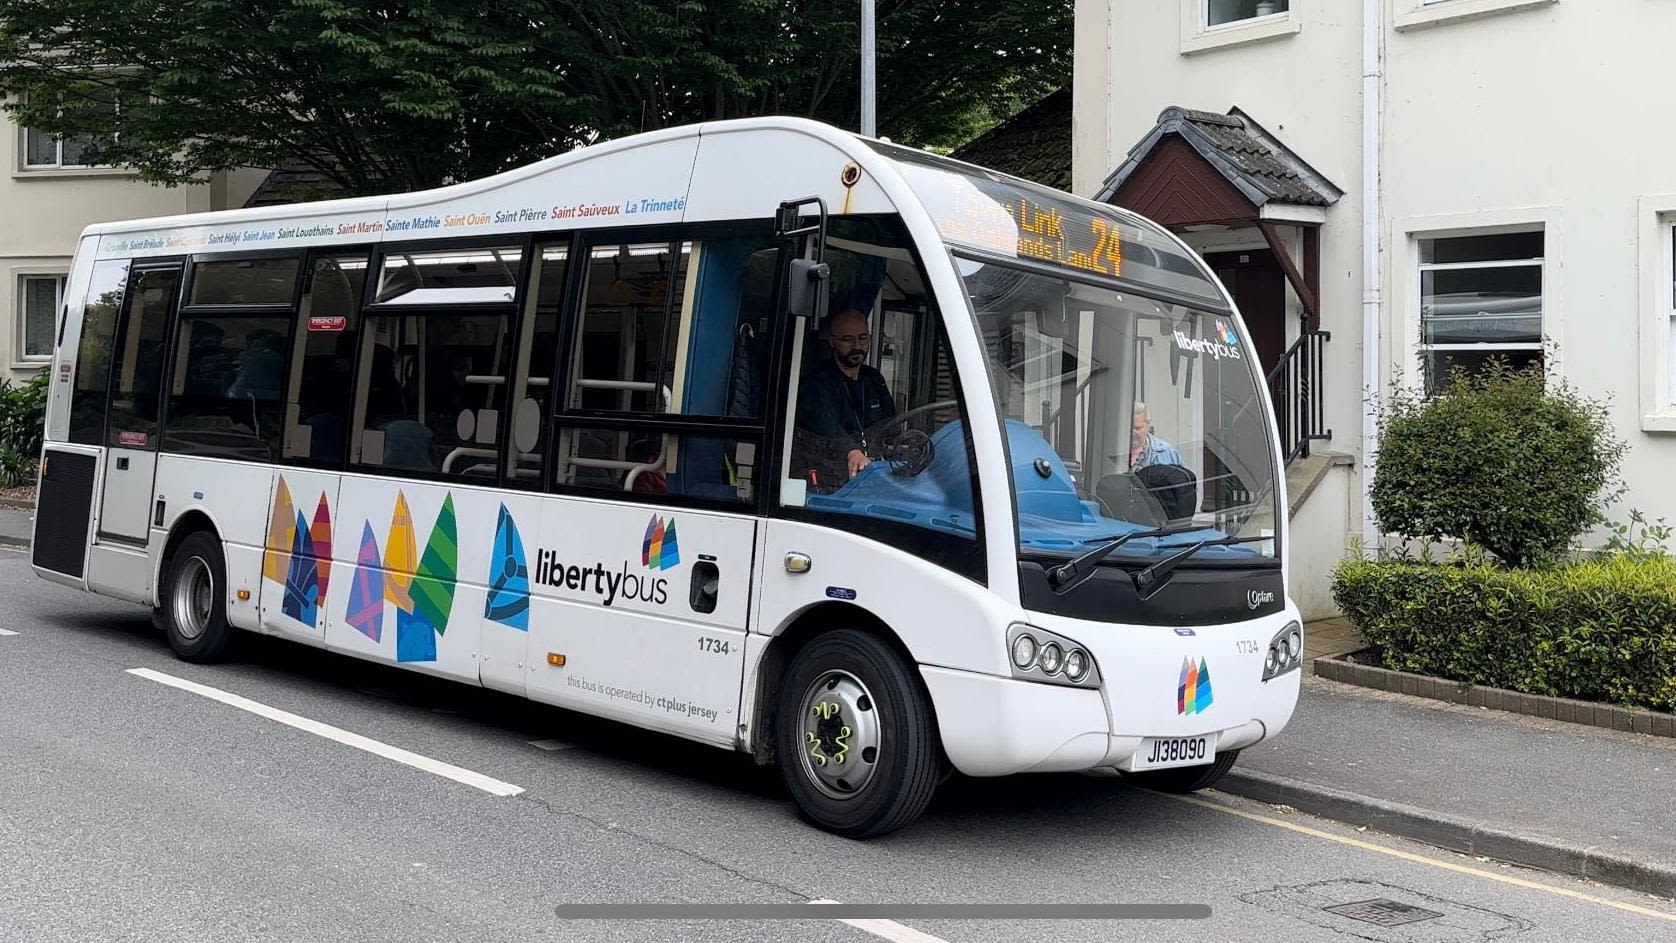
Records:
x=131, y=809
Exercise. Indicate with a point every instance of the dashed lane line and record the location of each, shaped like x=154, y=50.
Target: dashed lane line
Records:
x=1422, y=859
x=6, y=632
x=446, y=770
x=887, y=929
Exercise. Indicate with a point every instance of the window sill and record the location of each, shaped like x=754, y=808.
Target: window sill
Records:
x=31, y=364
x=1659, y=422
x=59, y=173
x=1423, y=15
x=1226, y=37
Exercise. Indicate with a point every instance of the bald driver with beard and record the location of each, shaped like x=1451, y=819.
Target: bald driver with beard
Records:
x=843, y=397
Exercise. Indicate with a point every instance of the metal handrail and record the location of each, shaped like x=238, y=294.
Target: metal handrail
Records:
x=1295, y=386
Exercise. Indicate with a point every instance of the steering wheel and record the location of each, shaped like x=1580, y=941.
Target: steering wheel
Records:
x=908, y=451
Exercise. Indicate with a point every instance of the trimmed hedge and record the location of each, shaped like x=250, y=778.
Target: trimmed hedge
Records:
x=23, y=410
x=1602, y=630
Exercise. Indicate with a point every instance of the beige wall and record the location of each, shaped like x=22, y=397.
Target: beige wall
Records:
x=1495, y=113
x=46, y=210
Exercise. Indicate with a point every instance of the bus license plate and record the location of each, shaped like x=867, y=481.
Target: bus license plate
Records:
x=1164, y=752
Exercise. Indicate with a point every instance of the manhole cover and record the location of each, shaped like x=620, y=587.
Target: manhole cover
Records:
x=1383, y=912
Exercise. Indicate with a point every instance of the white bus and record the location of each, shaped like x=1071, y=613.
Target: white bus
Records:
x=759, y=433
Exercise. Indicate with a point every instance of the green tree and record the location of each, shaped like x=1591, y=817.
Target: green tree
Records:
x=380, y=96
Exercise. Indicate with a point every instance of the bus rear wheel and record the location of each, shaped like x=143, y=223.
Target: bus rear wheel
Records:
x=1184, y=779
x=856, y=737
x=194, y=601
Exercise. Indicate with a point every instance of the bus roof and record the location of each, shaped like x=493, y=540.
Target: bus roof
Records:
x=683, y=175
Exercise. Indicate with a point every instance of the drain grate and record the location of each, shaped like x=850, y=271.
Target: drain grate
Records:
x=1383, y=912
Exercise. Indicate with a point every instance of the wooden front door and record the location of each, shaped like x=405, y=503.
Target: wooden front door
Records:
x=1258, y=285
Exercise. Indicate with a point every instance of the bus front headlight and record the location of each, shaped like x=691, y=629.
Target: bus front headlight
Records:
x=1039, y=655
x=1286, y=651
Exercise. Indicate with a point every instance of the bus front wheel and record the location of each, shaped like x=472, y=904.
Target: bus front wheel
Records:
x=194, y=602
x=856, y=737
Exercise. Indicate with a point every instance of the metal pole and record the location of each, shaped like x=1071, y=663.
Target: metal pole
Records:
x=869, y=115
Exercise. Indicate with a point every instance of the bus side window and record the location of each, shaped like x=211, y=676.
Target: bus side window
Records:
x=224, y=400
x=877, y=443
x=93, y=356
x=433, y=394
x=677, y=327
x=137, y=367
x=323, y=360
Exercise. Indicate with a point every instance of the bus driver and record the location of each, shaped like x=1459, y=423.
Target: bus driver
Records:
x=840, y=399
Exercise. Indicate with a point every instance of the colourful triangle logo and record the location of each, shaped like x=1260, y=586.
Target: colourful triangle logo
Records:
x=1193, y=689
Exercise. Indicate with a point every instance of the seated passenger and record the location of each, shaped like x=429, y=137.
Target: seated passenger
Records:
x=1145, y=448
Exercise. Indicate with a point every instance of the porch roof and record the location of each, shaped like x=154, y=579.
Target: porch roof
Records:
x=1250, y=158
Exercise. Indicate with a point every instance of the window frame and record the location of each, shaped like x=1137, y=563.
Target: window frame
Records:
x=1657, y=230
x=26, y=166
x=183, y=312
x=935, y=547
x=1197, y=35
x=1421, y=348
x=512, y=310
x=560, y=417
x=1421, y=14
x=305, y=271
x=21, y=355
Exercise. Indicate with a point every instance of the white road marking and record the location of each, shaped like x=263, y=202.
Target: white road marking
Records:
x=888, y=929
x=551, y=745
x=1422, y=859
x=415, y=760
x=7, y=632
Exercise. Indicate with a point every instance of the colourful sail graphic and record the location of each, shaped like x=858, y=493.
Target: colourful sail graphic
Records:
x=400, y=556
x=301, y=579
x=320, y=531
x=280, y=525
x=508, y=601
x=1193, y=690
x=659, y=550
x=366, y=592
x=433, y=590
x=415, y=640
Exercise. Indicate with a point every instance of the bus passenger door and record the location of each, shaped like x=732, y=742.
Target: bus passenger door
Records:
x=136, y=387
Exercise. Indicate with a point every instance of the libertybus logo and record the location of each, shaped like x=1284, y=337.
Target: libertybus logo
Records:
x=660, y=551
x=1193, y=693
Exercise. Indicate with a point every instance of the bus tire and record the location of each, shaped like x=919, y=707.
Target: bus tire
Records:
x=194, y=601
x=1183, y=779
x=856, y=736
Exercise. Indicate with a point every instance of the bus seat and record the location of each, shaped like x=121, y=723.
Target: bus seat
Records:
x=407, y=444
x=1125, y=498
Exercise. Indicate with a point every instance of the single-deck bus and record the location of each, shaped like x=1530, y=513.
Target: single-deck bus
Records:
x=870, y=463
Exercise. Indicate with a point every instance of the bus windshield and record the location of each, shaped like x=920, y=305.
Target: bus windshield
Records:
x=1123, y=414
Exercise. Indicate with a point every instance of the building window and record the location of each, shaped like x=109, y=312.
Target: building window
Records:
x=1480, y=298
x=41, y=297
x=1670, y=310
x=1224, y=12
x=45, y=151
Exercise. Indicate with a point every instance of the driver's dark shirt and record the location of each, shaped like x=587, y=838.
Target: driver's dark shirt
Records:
x=834, y=407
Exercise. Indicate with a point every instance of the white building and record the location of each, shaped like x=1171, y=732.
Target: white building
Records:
x=1447, y=178
x=48, y=195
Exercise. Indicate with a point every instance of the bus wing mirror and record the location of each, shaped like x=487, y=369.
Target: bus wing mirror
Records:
x=805, y=287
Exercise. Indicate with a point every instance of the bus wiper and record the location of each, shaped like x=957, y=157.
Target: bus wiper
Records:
x=1066, y=576
x=1148, y=580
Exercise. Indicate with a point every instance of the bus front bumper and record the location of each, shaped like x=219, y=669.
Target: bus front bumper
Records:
x=994, y=726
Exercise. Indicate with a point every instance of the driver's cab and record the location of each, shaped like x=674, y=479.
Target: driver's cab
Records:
x=876, y=429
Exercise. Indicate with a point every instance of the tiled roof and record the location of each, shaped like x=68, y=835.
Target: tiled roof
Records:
x=293, y=185
x=1034, y=144
x=1252, y=159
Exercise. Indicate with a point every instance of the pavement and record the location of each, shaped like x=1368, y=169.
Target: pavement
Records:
x=1560, y=796
x=134, y=809
x=17, y=525
x=1326, y=638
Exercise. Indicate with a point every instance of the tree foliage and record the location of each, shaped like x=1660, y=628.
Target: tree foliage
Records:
x=379, y=96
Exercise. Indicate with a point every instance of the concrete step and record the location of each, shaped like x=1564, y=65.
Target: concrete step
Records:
x=1303, y=475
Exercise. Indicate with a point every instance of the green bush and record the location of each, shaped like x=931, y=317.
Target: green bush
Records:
x=1602, y=630
x=1501, y=459
x=23, y=410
